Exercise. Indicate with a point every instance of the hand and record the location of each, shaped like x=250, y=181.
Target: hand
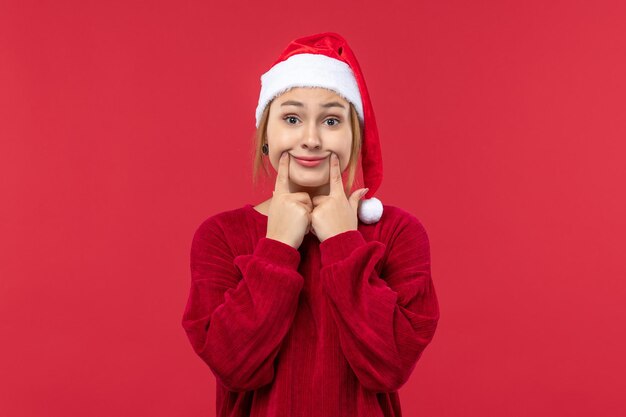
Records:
x=335, y=213
x=289, y=214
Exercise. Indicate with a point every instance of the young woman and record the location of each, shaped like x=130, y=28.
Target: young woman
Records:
x=313, y=302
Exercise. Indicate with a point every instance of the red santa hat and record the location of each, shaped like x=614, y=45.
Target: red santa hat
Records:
x=325, y=60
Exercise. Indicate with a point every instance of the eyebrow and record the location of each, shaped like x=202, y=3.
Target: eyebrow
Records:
x=297, y=103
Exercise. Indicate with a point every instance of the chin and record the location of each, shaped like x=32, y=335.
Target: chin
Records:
x=310, y=184
x=311, y=180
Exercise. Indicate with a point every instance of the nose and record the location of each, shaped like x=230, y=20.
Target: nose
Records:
x=312, y=138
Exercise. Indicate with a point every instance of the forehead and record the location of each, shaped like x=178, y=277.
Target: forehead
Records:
x=310, y=94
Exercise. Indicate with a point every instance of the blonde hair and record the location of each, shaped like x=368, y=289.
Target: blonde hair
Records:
x=260, y=137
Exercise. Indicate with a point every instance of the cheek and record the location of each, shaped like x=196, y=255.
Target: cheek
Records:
x=344, y=163
x=345, y=150
x=275, y=159
x=344, y=156
x=277, y=144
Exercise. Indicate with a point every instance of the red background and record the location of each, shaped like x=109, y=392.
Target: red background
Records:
x=124, y=125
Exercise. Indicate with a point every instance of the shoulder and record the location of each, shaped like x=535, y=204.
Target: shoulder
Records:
x=219, y=224
x=405, y=237
x=398, y=220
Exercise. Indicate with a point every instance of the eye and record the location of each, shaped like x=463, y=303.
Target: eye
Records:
x=289, y=119
x=334, y=120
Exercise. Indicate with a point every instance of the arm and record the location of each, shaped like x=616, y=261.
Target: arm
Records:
x=384, y=325
x=240, y=308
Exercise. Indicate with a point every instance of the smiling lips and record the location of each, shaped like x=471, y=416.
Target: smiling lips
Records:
x=309, y=162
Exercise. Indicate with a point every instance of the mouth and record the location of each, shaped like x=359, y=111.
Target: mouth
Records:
x=309, y=161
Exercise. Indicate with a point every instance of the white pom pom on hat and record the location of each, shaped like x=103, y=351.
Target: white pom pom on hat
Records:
x=370, y=210
x=326, y=60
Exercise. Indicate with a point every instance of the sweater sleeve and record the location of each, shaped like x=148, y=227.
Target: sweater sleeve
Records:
x=240, y=307
x=384, y=323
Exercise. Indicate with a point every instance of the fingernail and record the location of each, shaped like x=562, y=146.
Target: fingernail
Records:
x=364, y=192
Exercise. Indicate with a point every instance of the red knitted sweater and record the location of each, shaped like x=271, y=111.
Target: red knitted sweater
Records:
x=331, y=329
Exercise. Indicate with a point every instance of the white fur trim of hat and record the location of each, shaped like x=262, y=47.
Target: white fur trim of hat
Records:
x=309, y=70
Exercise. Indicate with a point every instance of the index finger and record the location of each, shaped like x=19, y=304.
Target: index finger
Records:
x=282, y=178
x=336, y=184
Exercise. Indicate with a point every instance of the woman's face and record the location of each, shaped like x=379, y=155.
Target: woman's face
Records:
x=309, y=122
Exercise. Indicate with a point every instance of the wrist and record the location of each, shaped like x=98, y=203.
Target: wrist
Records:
x=278, y=239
